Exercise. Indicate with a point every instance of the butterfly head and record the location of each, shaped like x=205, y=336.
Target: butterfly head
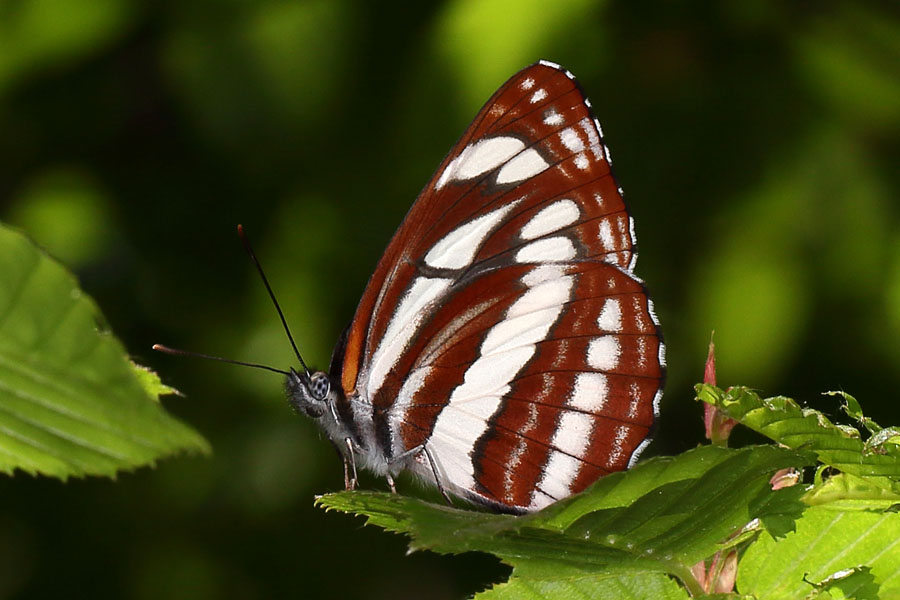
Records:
x=310, y=393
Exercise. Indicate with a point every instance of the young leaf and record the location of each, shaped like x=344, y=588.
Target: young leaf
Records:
x=71, y=401
x=784, y=421
x=847, y=491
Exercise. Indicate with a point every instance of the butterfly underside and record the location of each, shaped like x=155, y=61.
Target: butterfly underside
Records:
x=503, y=348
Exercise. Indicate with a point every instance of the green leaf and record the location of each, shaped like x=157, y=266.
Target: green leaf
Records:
x=71, y=401
x=851, y=583
x=784, y=421
x=687, y=520
x=831, y=549
x=852, y=407
x=608, y=586
x=151, y=382
x=849, y=491
x=659, y=518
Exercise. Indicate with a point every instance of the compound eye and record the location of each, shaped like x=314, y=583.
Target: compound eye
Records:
x=319, y=385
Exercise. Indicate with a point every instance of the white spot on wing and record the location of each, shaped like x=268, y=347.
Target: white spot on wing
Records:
x=456, y=431
x=553, y=249
x=606, y=236
x=581, y=161
x=610, y=318
x=527, y=164
x=518, y=332
x=559, y=473
x=552, y=118
x=411, y=386
x=479, y=158
x=447, y=174
x=529, y=318
x=603, y=353
x=639, y=320
x=549, y=293
x=573, y=433
x=402, y=327
x=551, y=218
x=642, y=352
x=543, y=273
x=527, y=83
x=634, y=391
x=590, y=392
x=594, y=142
x=539, y=500
x=457, y=249
x=615, y=454
x=538, y=96
x=571, y=140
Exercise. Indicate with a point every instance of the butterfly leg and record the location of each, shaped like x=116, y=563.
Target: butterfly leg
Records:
x=437, y=478
x=390, y=481
x=349, y=466
x=431, y=463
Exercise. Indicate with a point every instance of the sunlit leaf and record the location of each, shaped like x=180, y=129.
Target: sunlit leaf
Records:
x=825, y=549
x=71, y=401
x=784, y=421
x=849, y=491
x=661, y=517
x=609, y=586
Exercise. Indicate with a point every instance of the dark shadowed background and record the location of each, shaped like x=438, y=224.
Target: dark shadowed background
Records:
x=757, y=143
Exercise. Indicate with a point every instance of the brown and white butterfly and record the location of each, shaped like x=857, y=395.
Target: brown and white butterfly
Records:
x=503, y=349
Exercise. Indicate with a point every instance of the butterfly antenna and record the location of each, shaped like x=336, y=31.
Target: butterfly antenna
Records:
x=262, y=274
x=177, y=352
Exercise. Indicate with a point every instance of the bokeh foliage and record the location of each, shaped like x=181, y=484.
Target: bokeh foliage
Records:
x=757, y=144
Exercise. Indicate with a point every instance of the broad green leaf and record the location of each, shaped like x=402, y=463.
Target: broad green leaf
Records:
x=71, y=401
x=784, y=421
x=686, y=521
x=831, y=550
x=662, y=516
x=649, y=525
x=621, y=489
x=607, y=586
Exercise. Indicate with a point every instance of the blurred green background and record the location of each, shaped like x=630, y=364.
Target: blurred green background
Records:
x=757, y=143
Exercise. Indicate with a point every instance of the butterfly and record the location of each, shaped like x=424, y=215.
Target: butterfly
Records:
x=503, y=349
